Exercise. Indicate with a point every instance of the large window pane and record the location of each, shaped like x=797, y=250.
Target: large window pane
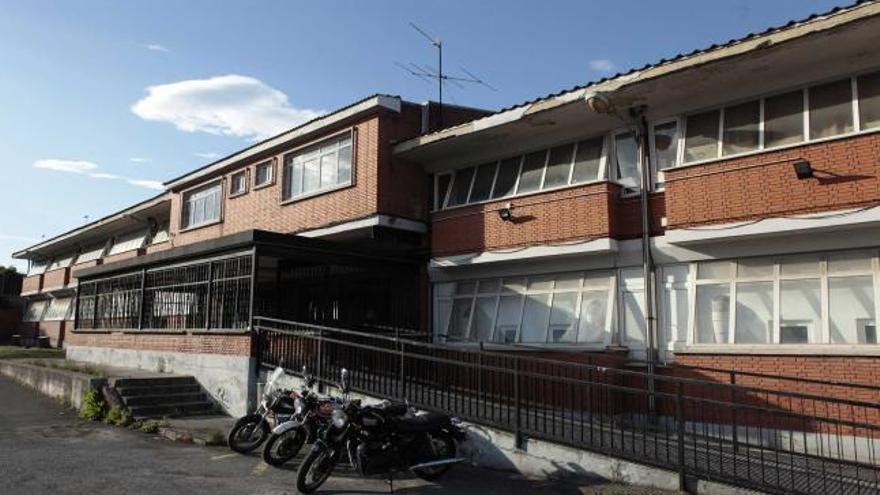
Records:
x=626, y=158
x=344, y=172
x=784, y=119
x=295, y=178
x=701, y=137
x=532, y=171
x=754, y=268
x=328, y=169
x=713, y=314
x=712, y=270
x=483, y=182
x=458, y=321
x=587, y=160
x=559, y=166
x=633, y=318
x=461, y=186
x=562, y=318
x=741, y=127
x=507, y=323
x=851, y=310
x=484, y=314
x=831, y=109
x=319, y=167
x=443, y=182
x=799, y=311
x=666, y=145
x=801, y=265
x=507, y=174
x=311, y=174
x=594, y=306
x=536, y=315
x=754, y=313
x=849, y=262
x=869, y=100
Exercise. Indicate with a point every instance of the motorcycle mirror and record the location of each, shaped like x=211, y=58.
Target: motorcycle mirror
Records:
x=344, y=380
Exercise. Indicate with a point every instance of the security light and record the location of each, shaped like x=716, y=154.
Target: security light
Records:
x=506, y=213
x=803, y=169
x=599, y=102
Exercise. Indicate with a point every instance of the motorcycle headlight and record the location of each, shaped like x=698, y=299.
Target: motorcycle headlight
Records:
x=299, y=405
x=339, y=418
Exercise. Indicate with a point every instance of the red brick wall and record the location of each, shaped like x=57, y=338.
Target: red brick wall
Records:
x=55, y=330
x=626, y=216
x=56, y=278
x=31, y=284
x=122, y=256
x=576, y=213
x=755, y=187
x=402, y=186
x=231, y=345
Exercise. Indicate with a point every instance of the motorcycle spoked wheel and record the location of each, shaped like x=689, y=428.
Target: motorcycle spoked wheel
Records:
x=438, y=447
x=315, y=469
x=247, y=433
x=284, y=447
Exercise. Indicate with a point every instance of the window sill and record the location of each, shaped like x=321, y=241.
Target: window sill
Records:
x=200, y=226
x=784, y=349
x=238, y=194
x=525, y=195
x=257, y=187
x=315, y=194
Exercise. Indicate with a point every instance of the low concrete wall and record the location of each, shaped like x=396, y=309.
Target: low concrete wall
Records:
x=228, y=379
x=63, y=385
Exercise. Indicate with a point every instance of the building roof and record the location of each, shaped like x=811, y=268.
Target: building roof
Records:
x=753, y=41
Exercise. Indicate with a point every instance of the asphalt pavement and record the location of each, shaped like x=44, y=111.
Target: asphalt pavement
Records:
x=46, y=449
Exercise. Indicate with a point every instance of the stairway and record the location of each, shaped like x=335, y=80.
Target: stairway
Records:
x=163, y=396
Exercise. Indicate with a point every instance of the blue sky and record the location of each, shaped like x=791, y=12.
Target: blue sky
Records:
x=101, y=101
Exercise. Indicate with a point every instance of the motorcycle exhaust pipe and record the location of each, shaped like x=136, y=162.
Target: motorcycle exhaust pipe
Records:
x=441, y=462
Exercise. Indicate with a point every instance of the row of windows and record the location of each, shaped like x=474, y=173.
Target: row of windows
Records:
x=811, y=113
x=57, y=309
x=264, y=175
x=827, y=298
x=116, y=245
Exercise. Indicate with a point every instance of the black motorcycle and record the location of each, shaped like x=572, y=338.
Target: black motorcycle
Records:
x=277, y=406
x=381, y=439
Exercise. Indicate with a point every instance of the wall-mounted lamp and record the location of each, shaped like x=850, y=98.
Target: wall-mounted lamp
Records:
x=803, y=169
x=506, y=213
x=599, y=102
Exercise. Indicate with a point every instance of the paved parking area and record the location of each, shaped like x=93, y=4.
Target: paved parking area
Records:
x=44, y=448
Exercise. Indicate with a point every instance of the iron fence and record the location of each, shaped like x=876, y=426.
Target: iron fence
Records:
x=771, y=440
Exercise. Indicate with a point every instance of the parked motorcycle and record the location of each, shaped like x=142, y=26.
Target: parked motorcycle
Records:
x=380, y=439
x=312, y=412
x=276, y=407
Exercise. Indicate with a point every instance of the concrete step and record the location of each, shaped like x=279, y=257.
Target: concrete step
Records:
x=172, y=410
x=158, y=381
x=165, y=399
x=131, y=391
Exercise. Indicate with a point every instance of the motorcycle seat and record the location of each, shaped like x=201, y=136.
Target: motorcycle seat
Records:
x=423, y=423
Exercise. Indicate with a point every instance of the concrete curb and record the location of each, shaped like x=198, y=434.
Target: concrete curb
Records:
x=64, y=385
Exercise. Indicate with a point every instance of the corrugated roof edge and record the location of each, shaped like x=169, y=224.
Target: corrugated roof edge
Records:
x=661, y=62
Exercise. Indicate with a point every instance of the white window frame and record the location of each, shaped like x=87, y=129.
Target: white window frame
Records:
x=659, y=183
x=123, y=239
x=184, y=199
x=269, y=165
x=244, y=183
x=287, y=196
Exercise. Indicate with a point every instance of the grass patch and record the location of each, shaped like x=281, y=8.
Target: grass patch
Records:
x=15, y=352
x=87, y=369
x=117, y=416
x=93, y=406
x=151, y=425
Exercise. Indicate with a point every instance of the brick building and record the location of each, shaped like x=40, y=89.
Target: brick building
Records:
x=525, y=228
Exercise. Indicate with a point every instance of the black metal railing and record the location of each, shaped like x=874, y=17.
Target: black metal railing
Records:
x=770, y=440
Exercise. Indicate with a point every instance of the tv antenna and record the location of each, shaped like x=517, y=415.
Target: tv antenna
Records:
x=429, y=74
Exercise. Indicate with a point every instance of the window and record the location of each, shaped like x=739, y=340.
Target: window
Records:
x=264, y=173
x=483, y=182
x=442, y=182
x=461, y=187
x=741, y=128
x=558, y=166
x=35, y=310
x=784, y=119
x=532, y=172
x=202, y=206
x=38, y=267
x=665, y=141
x=128, y=242
x=701, y=136
x=61, y=262
x=59, y=309
x=831, y=109
x=626, y=159
x=90, y=254
x=588, y=160
x=322, y=167
x=238, y=183
x=565, y=308
x=869, y=100
x=505, y=183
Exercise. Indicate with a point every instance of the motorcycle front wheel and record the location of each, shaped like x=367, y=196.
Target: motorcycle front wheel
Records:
x=283, y=447
x=315, y=469
x=436, y=448
x=247, y=433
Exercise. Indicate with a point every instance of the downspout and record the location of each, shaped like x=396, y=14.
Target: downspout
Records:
x=649, y=292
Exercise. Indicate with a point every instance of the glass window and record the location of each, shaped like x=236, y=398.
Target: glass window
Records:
x=633, y=318
x=161, y=234
x=784, y=119
x=202, y=206
x=343, y=172
x=35, y=310
x=328, y=167
x=850, y=261
x=754, y=313
x=701, y=136
x=594, y=306
x=461, y=186
x=851, y=310
x=60, y=262
x=38, y=267
x=831, y=111
x=626, y=158
x=713, y=314
x=508, y=171
x=741, y=128
x=805, y=265
x=59, y=309
x=443, y=182
x=712, y=270
x=264, y=174
x=128, y=242
x=508, y=319
x=323, y=166
x=311, y=173
x=666, y=145
x=514, y=285
x=483, y=182
x=869, y=100
x=489, y=286
x=536, y=315
x=484, y=316
x=532, y=171
x=799, y=311
x=541, y=283
x=238, y=183
x=459, y=320
x=754, y=268
x=562, y=318
x=559, y=166
x=294, y=183
x=463, y=288
x=90, y=254
x=587, y=160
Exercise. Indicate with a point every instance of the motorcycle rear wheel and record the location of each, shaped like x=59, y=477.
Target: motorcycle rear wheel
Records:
x=284, y=447
x=439, y=447
x=315, y=470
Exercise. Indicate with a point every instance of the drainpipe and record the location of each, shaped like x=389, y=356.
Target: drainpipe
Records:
x=649, y=292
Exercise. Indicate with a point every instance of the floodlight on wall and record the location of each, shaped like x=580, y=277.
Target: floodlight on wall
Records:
x=599, y=102
x=803, y=169
x=506, y=213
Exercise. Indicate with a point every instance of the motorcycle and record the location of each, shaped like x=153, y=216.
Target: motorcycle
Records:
x=311, y=413
x=381, y=439
x=276, y=406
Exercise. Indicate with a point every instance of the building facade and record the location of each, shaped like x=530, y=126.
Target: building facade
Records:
x=719, y=208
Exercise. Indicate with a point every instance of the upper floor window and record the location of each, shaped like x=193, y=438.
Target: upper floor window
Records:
x=61, y=262
x=35, y=310
x=238, y=183
x=560, y=166
x=202, y=206
x=264, y=173
x=322, y=167
x=90, y=254
x=128, y=242
x=38, y=267
x=59, y=309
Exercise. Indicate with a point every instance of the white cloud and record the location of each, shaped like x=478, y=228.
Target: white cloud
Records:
x=209, y=155
x=603, y=65
x=89, y=170
x=73, y=166
x=231, y=105
x=155, y=47
x=137, y=159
